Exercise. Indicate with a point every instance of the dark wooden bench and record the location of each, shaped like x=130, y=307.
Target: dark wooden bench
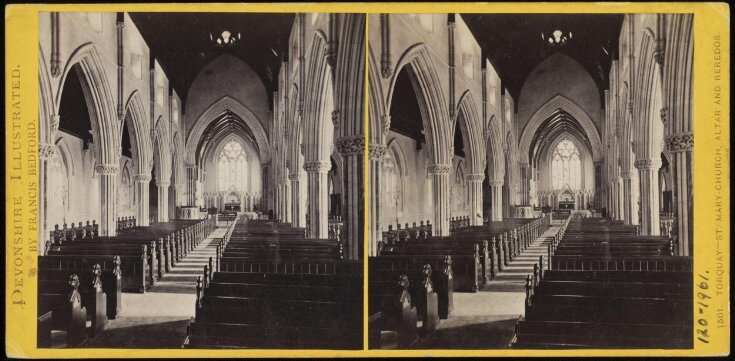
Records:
x=392, y=309
x=466, y=270
x=277, y=311
x=61, y=309
x=131, y=269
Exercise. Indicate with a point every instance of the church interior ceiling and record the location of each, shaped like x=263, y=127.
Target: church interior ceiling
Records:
x=514, y=54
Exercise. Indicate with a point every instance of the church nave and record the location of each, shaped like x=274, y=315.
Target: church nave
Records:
x=531, y=181
x=200, y=177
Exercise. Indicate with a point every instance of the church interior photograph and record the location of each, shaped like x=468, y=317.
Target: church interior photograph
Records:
x=530, y=181
x=201, y=180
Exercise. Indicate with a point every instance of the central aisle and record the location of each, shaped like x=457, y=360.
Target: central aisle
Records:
x=487, y=319
x=158, y=318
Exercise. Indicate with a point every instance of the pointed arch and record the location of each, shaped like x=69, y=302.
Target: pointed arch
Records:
x=434, y=111
x=99, y=98
x=46, y=103
x=376, y=101
x=398, y=155
x=139, y=129
x=208, y=116
x=547, y=110
x=162, y=153
x=470, y=127
x=648, y=101
x=495, y=152
x=319, y=103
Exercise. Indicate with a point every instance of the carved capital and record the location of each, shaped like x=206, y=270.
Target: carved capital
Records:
x=55, y=119
x=496, y=183
x=630, y=107
x=316, y=167
x=625, y=174
x=647, y=164
x=440, y=169
x=163, y=184
x=107, y=169
x=46, y=151
x=680, y=142
x=190, y=165
x=143, y=178
x=351, y=145
x=376, y=151
x=302, y=148
x=476, y=177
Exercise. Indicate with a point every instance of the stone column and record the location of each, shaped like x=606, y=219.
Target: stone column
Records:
x=628, y=200
x=352, y=150
x=474, y=185
x=142, y=182
x=45, y=153
x=179, y=199
x=108, y=198
x=525, y=184
x=496, y=189
x=191, y=178
x=440, y=188
x=318, y=198
x=298, y=200
x=680, y=146
x=163, y=200
x=376, y=153
x=648, y=176
x=286, y=204
x=621, y=200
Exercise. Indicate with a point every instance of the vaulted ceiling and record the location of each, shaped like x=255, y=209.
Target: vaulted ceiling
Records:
x=225, y=124
x=515, y=46
x=558, y=123
x=181, y=42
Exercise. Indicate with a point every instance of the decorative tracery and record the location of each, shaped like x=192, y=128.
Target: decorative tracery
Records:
x=232, y=167
x=566, y=166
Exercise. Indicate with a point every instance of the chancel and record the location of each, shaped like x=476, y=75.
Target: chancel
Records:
x=531, y=181
x=201, y=180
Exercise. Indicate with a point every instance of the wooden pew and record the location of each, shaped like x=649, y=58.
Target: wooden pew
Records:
x=466, y=270
x=61, y=309
x=126, y=253
x=277, y=311
x=392, y=309
x=90, y=289
x=131, y=269
x=616, y=293
x=422, y=294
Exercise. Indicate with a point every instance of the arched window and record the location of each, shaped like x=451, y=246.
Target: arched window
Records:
x=566, y=166
x=391, y=194
x=58, y=186
x=232, y=167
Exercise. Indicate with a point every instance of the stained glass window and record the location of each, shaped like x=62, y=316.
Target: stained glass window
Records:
x=566, y=166
x=232, y=167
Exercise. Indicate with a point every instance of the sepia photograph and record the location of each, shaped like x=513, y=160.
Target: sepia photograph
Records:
x=201, y=180
x=323, y=180
x=531, y=181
